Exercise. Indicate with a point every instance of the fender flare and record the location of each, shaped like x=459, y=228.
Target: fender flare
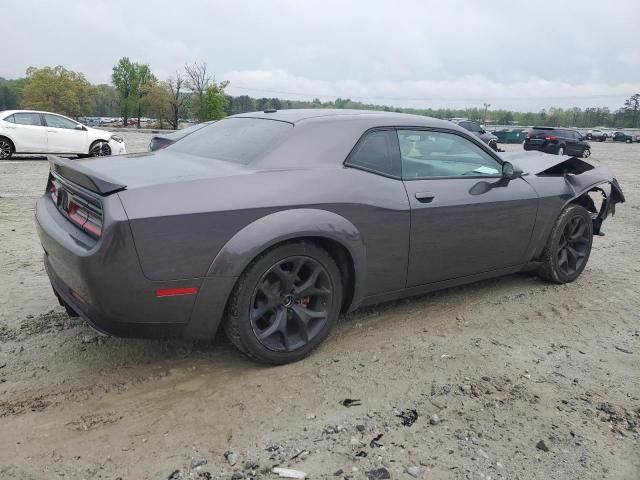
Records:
x=591, y=181
x=284, y=225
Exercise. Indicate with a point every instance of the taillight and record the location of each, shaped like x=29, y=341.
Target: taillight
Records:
x=53, y=190
x=85, y=219
x=551, y=138
x=83, y=212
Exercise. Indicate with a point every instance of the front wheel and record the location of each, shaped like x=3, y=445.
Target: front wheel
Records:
x=285, y=304
x=586, y=153
x=6, y=149
x=100, y=149
x=560, y=150
x=628, y=140
x=568, y=247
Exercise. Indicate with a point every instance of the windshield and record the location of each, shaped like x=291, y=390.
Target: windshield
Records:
x=238, y=140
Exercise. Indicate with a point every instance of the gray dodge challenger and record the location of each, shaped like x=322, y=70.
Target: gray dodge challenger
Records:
x=270, y=224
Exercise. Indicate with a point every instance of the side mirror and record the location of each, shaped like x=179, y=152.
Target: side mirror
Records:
x=79, y=127
x=482, y=131
x=510, y=172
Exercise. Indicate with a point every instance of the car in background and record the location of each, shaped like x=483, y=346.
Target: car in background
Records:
x=33, y=132
x=475, y=128
x=163, y=140
x=271, y=224
x=559, y=141
x=597, y=134
x=625, y=137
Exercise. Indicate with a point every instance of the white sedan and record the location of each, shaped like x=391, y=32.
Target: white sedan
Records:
x=27, y=131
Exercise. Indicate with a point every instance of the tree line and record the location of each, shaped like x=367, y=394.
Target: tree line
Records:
x=136, y=92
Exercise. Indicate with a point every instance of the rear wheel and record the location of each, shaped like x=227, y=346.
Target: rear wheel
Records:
x=561, y=150
x=100, y=148
x=569, y=246
x=6, y=148
x=285, y=303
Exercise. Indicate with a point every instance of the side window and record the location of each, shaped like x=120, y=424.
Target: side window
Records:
x=25, y=118
x=427, y=154
x=10, y=119
x=56, y=121
x=377, y=152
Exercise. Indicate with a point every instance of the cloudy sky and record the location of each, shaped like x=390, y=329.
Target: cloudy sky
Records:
x=523, y=55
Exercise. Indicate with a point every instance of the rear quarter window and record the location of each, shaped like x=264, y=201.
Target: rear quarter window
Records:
x=238, y=140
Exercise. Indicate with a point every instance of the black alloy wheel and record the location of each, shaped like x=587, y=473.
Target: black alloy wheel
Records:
x=100, y=149
x=574, y=246
x=6, y=149
x=568, y=248
x=289, y=306
x=285, y=303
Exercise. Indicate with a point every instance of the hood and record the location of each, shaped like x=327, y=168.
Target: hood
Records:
x=110, y=174
x=98, y=132
x=533, y=162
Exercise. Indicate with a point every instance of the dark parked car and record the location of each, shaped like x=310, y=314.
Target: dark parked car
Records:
x=560, y=141
x=474, y=127
x=271, y=224
x=624, y=137
x=163, y=140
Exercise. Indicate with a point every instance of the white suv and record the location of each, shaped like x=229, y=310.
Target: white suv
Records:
x=27, y=131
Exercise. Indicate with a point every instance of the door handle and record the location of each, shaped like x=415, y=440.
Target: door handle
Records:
x=425, y=197
x=51, y=131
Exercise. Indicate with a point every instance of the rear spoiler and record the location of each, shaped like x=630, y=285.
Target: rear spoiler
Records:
x=77, y=173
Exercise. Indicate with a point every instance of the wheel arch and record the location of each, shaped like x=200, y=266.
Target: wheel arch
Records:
x=13, y=144
x=93, y=142
x=327, y=229
x=599, y=178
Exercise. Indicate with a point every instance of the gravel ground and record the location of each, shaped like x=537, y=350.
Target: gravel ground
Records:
x=509, y=378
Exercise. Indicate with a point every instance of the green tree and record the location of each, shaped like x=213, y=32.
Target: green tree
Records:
x=215, y=101
x=129, y=78
x=106, y=101
x=632, y=104
x=124, y=78
x=57, y=90
x=155, y=101
x=146, y=82
x=198, y=81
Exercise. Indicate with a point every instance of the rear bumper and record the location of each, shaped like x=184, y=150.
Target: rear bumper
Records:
x=547, y=148
x=104, y=284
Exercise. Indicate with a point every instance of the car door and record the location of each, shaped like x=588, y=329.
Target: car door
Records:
x=573, y=145
x=27, y=132
x=64, y=136
x=465, y=218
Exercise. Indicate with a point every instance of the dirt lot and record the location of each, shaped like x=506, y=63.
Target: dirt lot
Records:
x=510, y=378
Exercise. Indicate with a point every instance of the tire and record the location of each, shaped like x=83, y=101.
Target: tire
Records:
x=100, y=148
x=560, y=150
x=559, y=267
x=628, y=140
x=264, y=316
x=6, y=148
x=586, y=153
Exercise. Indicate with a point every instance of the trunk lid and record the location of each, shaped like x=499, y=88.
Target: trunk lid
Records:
x=107, y=175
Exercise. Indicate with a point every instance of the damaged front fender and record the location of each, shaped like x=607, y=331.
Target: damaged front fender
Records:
x=592, y=181
x=580, y=179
